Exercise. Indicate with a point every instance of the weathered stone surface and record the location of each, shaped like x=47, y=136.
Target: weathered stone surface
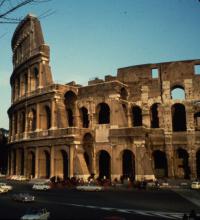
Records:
x=126, y=125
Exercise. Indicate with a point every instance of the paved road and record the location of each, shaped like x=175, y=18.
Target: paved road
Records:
x=129, y=204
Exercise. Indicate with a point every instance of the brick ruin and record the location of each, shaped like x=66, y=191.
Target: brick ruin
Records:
x=129, y=125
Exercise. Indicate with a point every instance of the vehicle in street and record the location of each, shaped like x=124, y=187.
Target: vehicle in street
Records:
x=195, y=185
x=23, y=197
x=89, y=187
x=152, y=185
x=41, y=186
x=3, y=190
x=6, y=186
x=36, y=214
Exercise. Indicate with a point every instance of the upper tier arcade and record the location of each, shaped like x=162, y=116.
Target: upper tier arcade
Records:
x=30, y=59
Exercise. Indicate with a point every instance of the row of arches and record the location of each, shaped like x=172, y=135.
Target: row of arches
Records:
x=25, y=83
x=31, y=120
x=128, y=164
x=176, y=92
x=103, y=113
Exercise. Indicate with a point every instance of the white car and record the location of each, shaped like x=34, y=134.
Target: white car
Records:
x=33, y=214
x=195, y=185
x=21, y=178
x=2, y=190
x=5, y=186
x=40, y=186
x=23, y=197
x=89, y=187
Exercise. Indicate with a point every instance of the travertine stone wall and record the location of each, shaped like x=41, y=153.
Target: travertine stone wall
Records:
x=128, y=125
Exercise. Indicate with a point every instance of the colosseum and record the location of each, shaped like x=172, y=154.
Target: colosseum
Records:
x=143, y=123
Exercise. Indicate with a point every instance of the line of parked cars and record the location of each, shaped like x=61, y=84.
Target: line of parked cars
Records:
x=17, y=177
x=41, y=186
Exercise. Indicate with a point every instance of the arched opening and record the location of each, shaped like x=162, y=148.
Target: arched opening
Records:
x=65, y=164
x=47, y=157
x=48, y=117
x=31, y=165
x=14, y=161
x=177, y=92
x=137, y=116
x=16, y=122
x=123, y=94
x=103, y=113
x=25, y=83
x=19, y=88
x=21, y=161
x=178, y=117
x=34, y=79
x=61, y=164
x=22, y=86
x=88, y=150
x=197, y=121
x=84, y=117
x=44, y=168
x=183, y=166
x=32, y=120
x=70, y=117
x=104, y=164
x=22, y=122
x=36, y=76
x=70, y=100
x=160, y=164
x=45, y=116
x=154, y=116
x=128, y=164
x=198, y=163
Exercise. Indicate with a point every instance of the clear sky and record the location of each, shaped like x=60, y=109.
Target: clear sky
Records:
x=92, y=38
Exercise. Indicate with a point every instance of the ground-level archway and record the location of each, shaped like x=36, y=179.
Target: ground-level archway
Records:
x=128, y=164
x=182, y=163
x=104, y=164
x=31, y=164
x=198, y=163
x=20, y=161
x=44, y=164
x=160, y=164
x=61, y=164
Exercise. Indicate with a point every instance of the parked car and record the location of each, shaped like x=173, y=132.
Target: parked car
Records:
x=41, y=186
x=89, y=187
x=153, y=185
x=5, y=186
x=23, y=197
x=195, y=185
x=3, y=190
x=36, y=214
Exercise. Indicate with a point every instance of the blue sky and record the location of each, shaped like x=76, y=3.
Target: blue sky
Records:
x=92, y=38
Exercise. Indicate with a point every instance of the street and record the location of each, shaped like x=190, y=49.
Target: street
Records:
x=73, y=204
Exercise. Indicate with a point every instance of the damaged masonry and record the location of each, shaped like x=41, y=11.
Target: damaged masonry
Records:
x=129, y=125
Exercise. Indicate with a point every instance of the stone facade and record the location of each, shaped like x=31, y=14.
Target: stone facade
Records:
x=129, y=125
